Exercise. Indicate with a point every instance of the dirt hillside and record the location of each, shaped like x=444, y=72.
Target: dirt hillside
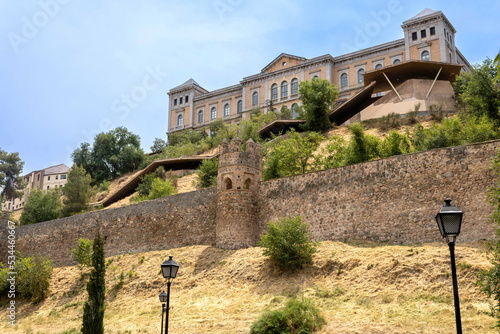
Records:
x=360, y=287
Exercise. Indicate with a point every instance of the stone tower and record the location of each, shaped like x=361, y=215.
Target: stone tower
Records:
x=237, y=186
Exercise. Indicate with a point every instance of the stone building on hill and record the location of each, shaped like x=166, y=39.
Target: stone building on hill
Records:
x=428, y=37
x=49, y=178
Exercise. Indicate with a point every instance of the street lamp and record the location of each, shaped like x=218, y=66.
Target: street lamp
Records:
x=163, y=299
x=449, y=220
x=169, y=270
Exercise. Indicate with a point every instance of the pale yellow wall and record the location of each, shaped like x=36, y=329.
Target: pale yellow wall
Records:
x=290, y=62
x=54, y=181
x=219, y=104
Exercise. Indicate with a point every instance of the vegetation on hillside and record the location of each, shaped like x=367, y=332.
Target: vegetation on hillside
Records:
x=288, y=243
x=112, y=154
x=317, y=98
x=93, y=309
x=41, y=206
x=11, y=181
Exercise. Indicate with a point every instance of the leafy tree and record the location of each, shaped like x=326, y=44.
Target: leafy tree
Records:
x=298, y=316
x=317, y=97
x=187, y=136
x=362, y=147
x=158, y=145
x=113, y=153
x=207, y=172
x=476, y=91
x=292, y=156
x=33, y=275
x=11, y=183
x=82, y=253
x=77, y=191
x=82, y=157
x=288, y=243
x=93, y=310
x=497, y=63
x=41, y=206
x=285, y=113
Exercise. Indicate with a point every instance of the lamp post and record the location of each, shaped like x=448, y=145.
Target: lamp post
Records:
x=169, y=270
x=163, y=299
x=449, y=220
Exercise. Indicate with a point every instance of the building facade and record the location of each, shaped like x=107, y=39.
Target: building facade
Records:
x=49, y=178
x=428, y=36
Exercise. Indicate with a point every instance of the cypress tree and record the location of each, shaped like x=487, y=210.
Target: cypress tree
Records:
x=93, y=310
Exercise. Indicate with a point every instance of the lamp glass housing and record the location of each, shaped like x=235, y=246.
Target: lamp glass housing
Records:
x=449, y=220
x=163, y=297
x=169, y=268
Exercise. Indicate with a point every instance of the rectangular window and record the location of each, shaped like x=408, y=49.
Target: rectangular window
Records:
x=180, y=100
x=433, y=31
x=38, y=178
x=57, y=177
x=187, y=98
x=48, y=178
x=63, y=177
x=423, y=33
x=48, y=187
x=175, y=102
x=413, y=36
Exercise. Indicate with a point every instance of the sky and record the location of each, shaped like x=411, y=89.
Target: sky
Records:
x=70, y=69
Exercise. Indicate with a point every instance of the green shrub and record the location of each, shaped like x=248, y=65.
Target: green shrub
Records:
x=362, y=147
x=288, y=243
x=82, y=253
x=41, y=206
x=4, y=284
x=104, y=186
x=395, y=144
x=33, y=275
x=298, y=316
x=390, y=121
x=161, y=188
x=479, y=129
x=207, y=172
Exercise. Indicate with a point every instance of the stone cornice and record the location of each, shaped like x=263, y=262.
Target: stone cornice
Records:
x=313, y=62
x=217, y=92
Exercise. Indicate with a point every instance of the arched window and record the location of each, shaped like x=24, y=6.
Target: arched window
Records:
x=361, y=77
x=247, y=184
x=396, y=61
x=213, y=113
x=226, y=109
x=343, y=80
x=295, y=86
x=315, y=77
x=284, y=89
x=228, y=184
x=378, y=66
x=180, y=120
x=255, y=98
x=274, y=92
x=200, y=116
x=239, y=106
x=295, y=114
x=426, y=56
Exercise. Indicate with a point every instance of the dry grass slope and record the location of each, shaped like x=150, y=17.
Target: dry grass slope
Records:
x=361, y=287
